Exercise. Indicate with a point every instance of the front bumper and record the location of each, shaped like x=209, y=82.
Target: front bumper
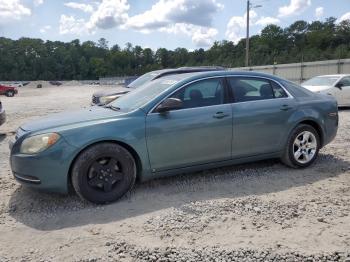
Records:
x=27, y=179
x=47, y=171
x=2, y=117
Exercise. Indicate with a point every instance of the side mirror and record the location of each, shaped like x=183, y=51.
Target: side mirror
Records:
x=169, y=104
x=339, y=85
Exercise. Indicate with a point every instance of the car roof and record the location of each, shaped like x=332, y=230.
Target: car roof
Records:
x=183, y=70
x=198, y=75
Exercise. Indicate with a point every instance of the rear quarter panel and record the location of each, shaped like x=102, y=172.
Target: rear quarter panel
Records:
x=318, y=109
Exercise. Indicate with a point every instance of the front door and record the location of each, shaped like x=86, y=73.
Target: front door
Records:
x=260, y=116
x=199, y=133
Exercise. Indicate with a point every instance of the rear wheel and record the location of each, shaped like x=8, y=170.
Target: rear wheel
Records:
x=103, y=173
x=10, y=93
x=302, y=147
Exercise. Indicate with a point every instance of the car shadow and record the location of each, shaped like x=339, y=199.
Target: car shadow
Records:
x=2, y=137
x=344, y=108
x=49, y=212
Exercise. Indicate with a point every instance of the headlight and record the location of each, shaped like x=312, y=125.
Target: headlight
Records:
x=107, y=99
x=39, y=143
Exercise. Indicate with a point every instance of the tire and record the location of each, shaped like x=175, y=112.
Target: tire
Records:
x=10, y=93
x=103, y=173
x=296, y=146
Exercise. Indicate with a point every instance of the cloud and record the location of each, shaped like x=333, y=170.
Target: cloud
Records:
x=13, y=10
x=319, y=11
x=190, y=17
x=38, y=2
x=109, y=14
x=204, y=36
x=201, y=36
x=44, y=29
x=295, y=7
x=236, y=27
x=345, y=16
x=167, y=12
x=71, y=25
x=83, y=7
x=264, y=21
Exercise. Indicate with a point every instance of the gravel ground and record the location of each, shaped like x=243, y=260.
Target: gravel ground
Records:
x=255, y=212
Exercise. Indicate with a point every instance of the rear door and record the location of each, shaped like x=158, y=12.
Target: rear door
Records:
x=261, y=110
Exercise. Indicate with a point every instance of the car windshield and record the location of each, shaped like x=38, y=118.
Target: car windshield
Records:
x=321, y=81
x=143, y=79
x=142, y=95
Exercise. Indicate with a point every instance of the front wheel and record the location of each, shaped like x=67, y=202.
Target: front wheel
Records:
x=10, y=93
x=103, y=173
x=302, y=147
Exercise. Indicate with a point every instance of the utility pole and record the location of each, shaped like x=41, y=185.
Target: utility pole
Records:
x=249, y=6
x=247, y=39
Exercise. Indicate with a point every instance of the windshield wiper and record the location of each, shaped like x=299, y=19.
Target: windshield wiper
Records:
x=115, y=108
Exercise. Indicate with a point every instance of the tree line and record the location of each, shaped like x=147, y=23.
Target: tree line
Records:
x=33, y=59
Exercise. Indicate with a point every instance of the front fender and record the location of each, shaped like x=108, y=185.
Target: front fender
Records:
x=129, y=131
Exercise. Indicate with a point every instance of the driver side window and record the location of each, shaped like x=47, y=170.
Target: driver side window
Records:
x=208, y=92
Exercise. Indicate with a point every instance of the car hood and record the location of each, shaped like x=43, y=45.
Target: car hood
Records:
x=317, y=88
x=69, y=118
x=111, y=92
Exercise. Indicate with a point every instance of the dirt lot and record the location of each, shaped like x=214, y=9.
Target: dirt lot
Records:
x=262, y=211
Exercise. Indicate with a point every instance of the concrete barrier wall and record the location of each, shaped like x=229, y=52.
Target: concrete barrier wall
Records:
x=296, y=72
x=299, y=72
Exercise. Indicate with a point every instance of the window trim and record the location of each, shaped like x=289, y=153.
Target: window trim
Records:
x=274, y=91
x=224, y=85
x=228, y=92
x=268, y=80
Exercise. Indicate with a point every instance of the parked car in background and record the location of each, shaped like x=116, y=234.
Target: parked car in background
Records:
x=55, y=83
x=104, y=97
x=2, y=114
x=9, y=91
x=129, y=80
x=16, y=84
x=175, y=124
x=335, y=85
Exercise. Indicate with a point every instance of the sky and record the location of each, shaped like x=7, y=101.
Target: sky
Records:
x=191, y=24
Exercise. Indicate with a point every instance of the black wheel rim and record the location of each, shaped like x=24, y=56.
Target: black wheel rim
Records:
x=104, y=174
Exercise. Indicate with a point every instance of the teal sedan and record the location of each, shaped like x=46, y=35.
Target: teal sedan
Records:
x=176, y=124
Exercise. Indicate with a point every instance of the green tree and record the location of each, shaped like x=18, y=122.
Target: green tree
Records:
x=32, y=59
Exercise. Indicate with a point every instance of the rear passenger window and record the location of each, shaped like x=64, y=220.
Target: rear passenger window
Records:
x=296, y=90
x=278, y=91
x=250, y=89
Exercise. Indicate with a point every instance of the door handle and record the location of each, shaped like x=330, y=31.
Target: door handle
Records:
x=286, y=107
x=220, y=115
